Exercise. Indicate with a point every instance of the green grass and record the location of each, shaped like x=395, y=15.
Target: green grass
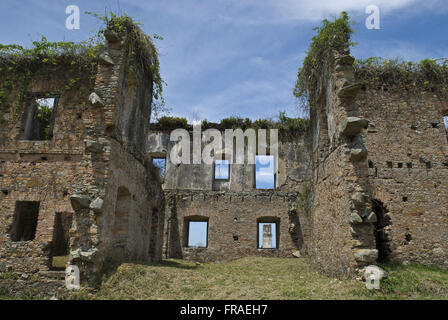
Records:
x=247, y=278
x=259, y=278
x=59, y=262
x=411, y=282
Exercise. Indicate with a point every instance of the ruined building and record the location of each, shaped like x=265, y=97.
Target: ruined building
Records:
x=84, y=186
x=366, y=182
x=231, y=206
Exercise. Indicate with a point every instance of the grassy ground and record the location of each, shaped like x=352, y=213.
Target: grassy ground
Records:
x=260, y=278
x=59, y=262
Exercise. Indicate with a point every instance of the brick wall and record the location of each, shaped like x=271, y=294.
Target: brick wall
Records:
x=408, y=171
x=233, y=223
x=96, y=154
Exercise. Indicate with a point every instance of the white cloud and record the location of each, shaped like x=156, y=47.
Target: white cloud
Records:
x=318, y=9
x=268, y=12
x=398, y=49
x=207, y=43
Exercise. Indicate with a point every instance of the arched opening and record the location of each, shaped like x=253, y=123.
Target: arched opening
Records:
x=121, y=224
x=381, y=237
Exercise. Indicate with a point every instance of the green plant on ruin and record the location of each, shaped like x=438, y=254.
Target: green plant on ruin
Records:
x=331, y=35
x=426, y=75
x=44, y=117
x=142, y=51
x=19, y=64
x=287, y=127
x=171, y=123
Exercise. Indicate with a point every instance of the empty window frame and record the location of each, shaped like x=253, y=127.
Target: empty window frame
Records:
x=61, y=240
x=160, y=163
x=25, y=221
x=38, y=119
x=197, y=234
x=264, y=172
x=222, y=170
x=267, y=235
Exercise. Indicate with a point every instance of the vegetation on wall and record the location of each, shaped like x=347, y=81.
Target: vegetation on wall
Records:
x=287, y=126
x=331, y=35
x=142, y=51
x=44, y=117
x=170, y=123
x=429, y=74
x=20, y=65
x=426, y=75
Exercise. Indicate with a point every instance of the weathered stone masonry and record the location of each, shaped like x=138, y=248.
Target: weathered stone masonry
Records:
x=408, y=172
x=367, y=182
x=94, y=168
x=233, y=208
x=379, y=163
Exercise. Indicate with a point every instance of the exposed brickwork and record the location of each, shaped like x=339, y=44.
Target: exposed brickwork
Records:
x=97, y=149
x=368, y=181
x=234, y=207
x=406, y=132
x=379, y=175
x=233, y=214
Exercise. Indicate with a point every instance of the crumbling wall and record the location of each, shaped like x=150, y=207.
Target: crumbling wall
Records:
x=113, y=220
x=96, y=154
x=45, y=171
x=233, y=223
x=294, y=167
x=232, y=208
x=408, y=170
x=379, y=162
x=342, y=222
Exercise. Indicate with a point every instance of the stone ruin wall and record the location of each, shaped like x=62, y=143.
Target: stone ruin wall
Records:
x=408, y=171
x=94, y=169
x=379, y=175
x=47, y=171
x=375, y=160
x=342, y=231
x=233, y=208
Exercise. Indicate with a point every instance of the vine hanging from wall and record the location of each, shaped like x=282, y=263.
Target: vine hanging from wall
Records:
x=19, y=64
x=331, y=35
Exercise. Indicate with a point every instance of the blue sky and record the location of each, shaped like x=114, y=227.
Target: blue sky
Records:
x=238, y=57
x=264, y=171
x=161, y=164
x=222, y=169
x=197, y=234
